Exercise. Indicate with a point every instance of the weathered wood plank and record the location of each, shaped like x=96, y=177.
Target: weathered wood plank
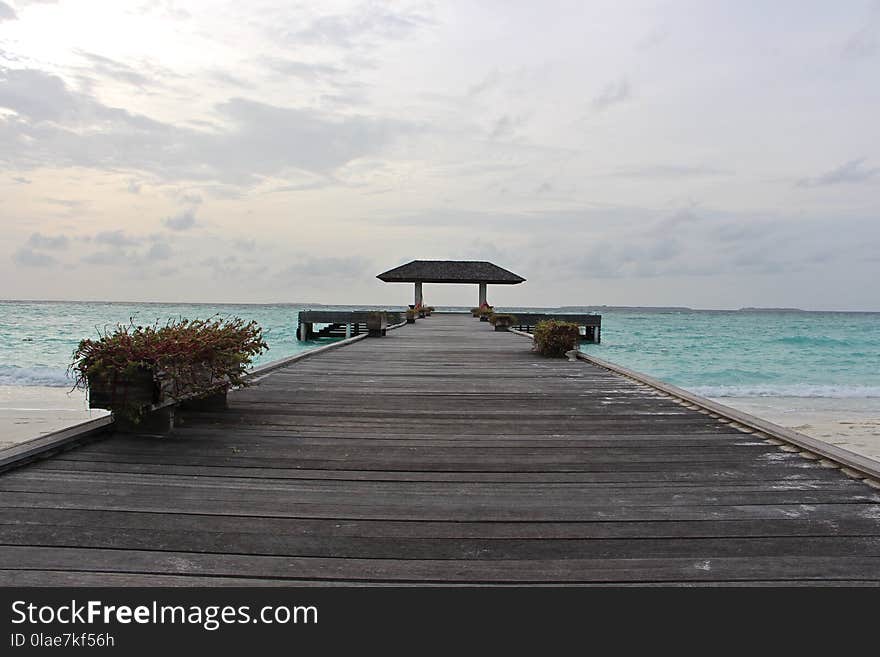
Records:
x=450, y=454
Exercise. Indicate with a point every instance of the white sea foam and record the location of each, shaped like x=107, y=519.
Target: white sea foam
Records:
x=799, y=390
x=13, y=375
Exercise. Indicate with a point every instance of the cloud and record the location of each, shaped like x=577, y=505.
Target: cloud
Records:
x=7, y=13
x=49, y=242
x=57, y=126
x=614, y=93
x=159, y=251
x=668, y=171
x=22, y=181
x=310, y=71
x=365, y=26
x=70, y=204
x=116, y=70
x=865, y=42
x=492, y=80
x=105, y=258
x=27, y=257
x=505, y=127
x=853, y=171
x=346, y=267
x=652, y=39
x=182, y=221
x=116, y=238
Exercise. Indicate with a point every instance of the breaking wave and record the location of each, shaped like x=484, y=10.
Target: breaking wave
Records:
x=13, y=375
x=802, y=390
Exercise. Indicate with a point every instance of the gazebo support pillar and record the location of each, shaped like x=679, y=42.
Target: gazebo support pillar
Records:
x=418, y=295
x=482, y=294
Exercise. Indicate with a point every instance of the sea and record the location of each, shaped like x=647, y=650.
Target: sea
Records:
x=815, y=371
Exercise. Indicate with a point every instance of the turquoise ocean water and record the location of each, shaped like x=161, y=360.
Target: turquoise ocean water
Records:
x=717, y=354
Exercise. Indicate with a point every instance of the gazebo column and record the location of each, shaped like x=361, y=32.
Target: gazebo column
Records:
x=482, y=294
x=418, y=296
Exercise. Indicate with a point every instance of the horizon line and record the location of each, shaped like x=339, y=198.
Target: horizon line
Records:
x=318, y=303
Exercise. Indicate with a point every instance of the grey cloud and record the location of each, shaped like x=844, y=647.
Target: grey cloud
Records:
x=613, y=94
x=652, y=39
x=7, y=13
x=22, y=181
x=853, y=171
x=249, y=245
x=315, y=266
x=133, y=187
x=661, y=171
x=27, y=257
x=159, y=251
x=106, y=258
x=116, y=238
x=39, y=96
x=116, y=70
x=304, y=70
x=70, y=204
x=224, y=77
x=505, y=127
x=52, y=129
x=50, y=242
x=193, y=198
x=716, y=243
x=225, y=267
x=182, y=221
x=865, y=42
x=366, y=25
x=491, y=81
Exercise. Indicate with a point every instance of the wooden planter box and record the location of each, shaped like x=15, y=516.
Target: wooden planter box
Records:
x=377, y=324
x=410, y=320
x=138, y=389
x=484, y=318
x=143, y=392
x=502, y=325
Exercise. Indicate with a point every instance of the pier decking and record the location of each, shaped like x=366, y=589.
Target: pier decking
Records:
x=442, y=453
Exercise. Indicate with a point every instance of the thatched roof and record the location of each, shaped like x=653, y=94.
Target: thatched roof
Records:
x=450, y=271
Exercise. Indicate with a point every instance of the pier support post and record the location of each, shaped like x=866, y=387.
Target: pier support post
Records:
x=348, y=330
x=482, y=294
x=418, y=295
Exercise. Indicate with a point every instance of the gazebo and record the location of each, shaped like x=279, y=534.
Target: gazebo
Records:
x=450, y=271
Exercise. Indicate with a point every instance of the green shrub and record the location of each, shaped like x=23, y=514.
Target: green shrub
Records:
x=475, y=312
x=554, y=338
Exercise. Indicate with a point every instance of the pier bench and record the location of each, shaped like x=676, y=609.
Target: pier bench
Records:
x=345, y=323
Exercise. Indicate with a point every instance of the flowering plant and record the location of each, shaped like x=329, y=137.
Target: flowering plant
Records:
x=183, y=356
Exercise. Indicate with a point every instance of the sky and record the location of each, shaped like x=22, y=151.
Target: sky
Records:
x=712, y=154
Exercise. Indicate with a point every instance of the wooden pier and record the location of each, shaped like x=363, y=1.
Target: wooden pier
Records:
x=444, y=453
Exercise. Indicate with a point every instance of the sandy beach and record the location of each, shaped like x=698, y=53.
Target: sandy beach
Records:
x=31, y=411
x=851, y=423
